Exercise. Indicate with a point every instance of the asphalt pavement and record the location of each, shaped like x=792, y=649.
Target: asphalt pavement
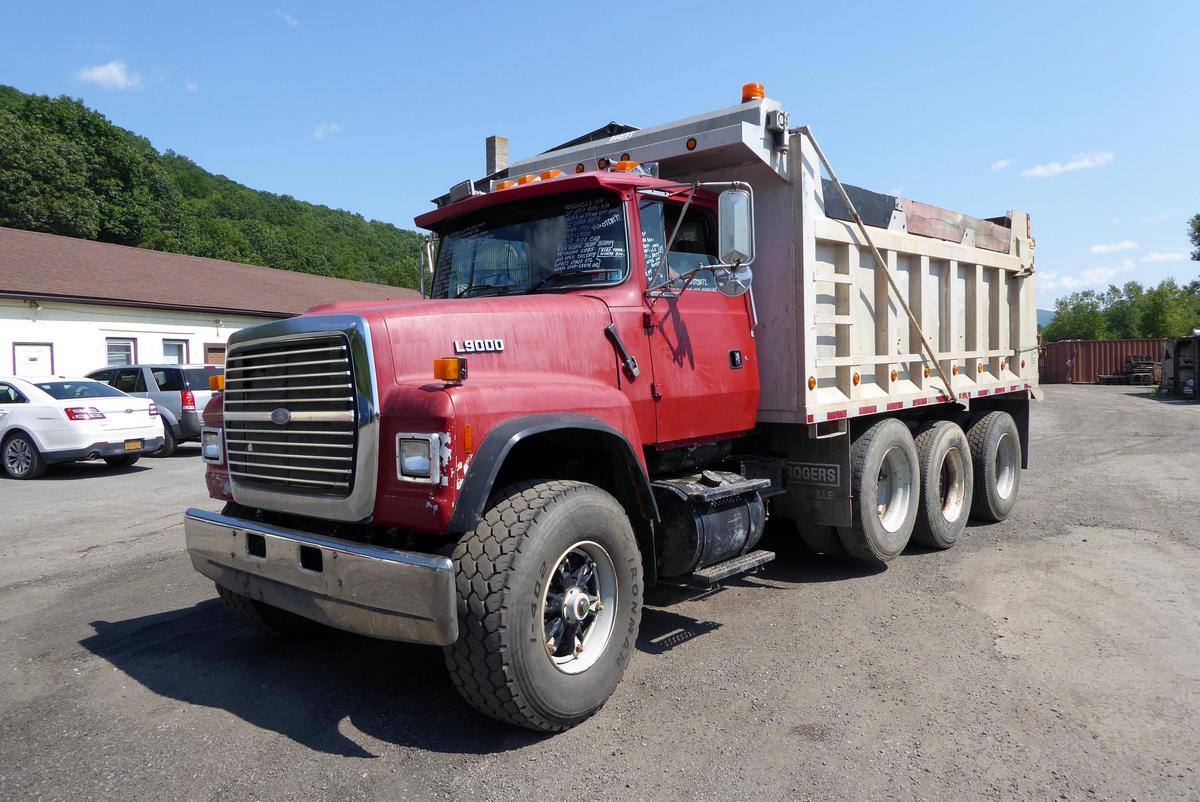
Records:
x=1053, y=656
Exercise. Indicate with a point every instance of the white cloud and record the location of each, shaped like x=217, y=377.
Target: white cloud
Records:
x=1002, y=164
x=326, y=129
x=113, y=75
x=1165, y=256
x=287, y=18
x=1080, y=161
x=1092, y=277
x=191, y=86
x=1123, y=245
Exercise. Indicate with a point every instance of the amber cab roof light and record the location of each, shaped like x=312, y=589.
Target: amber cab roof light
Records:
x=753, y=91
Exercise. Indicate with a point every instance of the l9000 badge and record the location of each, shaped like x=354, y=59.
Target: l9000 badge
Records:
x=488, y=346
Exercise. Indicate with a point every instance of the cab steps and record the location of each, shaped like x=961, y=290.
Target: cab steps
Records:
x=719, y=572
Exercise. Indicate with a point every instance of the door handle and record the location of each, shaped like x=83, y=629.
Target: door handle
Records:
x=627, y=359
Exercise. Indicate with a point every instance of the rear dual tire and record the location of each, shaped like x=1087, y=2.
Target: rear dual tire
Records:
x=996, y=457
x=884, y=474
x=947, y=482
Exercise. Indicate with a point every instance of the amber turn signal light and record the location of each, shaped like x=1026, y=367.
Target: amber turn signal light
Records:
x=812, y=382
x=954, y=370
x=857, y=379
x=451, y=369
x=216, y=383
x=927, y=373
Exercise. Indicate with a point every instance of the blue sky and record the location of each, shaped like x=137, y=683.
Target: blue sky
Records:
x=1085, y=114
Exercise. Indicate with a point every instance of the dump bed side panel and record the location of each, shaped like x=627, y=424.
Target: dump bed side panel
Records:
x=975, y=305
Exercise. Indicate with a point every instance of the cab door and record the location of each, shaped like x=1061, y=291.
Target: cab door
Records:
x=701, y=342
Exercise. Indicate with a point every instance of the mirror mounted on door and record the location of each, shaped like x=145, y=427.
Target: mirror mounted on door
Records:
x=735, y=226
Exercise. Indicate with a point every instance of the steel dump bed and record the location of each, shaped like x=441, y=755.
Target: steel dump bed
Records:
x=834, y=340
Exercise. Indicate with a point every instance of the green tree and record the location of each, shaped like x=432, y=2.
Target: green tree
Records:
x=1078, y=316
x=1194, y=234
x=65, y=169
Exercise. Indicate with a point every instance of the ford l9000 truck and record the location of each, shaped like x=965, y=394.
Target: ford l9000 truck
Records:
x=596, y=398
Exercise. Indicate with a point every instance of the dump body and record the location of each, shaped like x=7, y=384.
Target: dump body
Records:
x=826, y=315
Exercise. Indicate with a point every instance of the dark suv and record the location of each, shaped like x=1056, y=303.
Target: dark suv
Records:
x=180, y=391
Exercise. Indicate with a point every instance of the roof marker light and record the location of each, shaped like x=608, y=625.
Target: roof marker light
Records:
x=753, y=91
x=527, y=179
x=579, y=168
x=691, y=143
x=550, y=175
x=602, y=163
x=506, y=184
x=625, y=166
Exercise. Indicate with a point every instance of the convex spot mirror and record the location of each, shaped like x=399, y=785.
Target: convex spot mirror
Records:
x=735, y=227
x=733, y=281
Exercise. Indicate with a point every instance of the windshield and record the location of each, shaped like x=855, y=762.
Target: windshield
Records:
x=81, y=389
x=548, y=243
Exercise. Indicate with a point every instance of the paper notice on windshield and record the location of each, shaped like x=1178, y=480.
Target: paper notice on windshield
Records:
x=593, y=237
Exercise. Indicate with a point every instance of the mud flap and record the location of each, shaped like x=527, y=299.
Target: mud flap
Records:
x=816, y=476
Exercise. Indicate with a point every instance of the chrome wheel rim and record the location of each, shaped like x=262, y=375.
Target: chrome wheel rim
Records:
x=1006, y=465
x=579, y=607
x=18, y=456
x=893, y=490
x=952, y=484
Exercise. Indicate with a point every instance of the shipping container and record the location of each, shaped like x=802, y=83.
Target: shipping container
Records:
x=1085, y=361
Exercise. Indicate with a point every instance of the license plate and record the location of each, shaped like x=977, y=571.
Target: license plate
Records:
x=134, y=445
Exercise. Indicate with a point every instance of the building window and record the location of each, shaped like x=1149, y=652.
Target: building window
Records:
x=121, y=351
x=214, y=354
x=175, y=352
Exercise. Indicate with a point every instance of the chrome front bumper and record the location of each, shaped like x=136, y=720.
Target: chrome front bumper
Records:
x=377, y=592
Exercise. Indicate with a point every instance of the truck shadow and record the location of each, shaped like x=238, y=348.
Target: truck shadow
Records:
x=326, y=694
x=333, y=694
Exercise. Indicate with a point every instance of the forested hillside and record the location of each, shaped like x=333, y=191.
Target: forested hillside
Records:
x=65, y=169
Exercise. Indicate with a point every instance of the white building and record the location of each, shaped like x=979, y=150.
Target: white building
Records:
x=69, y=306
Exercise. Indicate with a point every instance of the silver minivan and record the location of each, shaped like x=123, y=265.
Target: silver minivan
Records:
x=180, y=391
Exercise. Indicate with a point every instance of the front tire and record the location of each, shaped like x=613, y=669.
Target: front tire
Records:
x=996, y=453
x=885, y=483
x=550, y=598
x=22, y=460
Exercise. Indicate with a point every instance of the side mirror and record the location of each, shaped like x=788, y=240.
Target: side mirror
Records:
x=735, y=227
x=733, y=281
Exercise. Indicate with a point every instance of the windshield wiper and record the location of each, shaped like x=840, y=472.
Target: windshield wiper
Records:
x=473, y=287
x=549, y=276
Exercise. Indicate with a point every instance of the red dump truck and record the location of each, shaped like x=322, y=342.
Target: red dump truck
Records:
x=597, y=399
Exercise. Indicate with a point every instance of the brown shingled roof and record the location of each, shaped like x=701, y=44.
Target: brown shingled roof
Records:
x=41, y=266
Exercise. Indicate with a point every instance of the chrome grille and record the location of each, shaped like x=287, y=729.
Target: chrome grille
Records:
x=291, y=415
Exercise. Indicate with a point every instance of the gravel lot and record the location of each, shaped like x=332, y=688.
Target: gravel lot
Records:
x=1054, y=656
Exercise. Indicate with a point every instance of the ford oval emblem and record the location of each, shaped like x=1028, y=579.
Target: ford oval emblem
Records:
x=281, y=416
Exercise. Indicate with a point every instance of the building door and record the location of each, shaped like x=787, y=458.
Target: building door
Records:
x=33, y=359
x=214, y=354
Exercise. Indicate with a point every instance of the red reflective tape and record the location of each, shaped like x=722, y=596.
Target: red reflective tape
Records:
x=1014, y=388
x=984, y=392
x=943, y=398
x=841, y=413
x=920, y=402
x=964, y=395
x=895, y=405
x=1027, y=386
x=866, y=410
x=810, y=418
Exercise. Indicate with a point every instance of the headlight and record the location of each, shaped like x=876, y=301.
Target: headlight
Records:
x=211, y=447
x=417, y=457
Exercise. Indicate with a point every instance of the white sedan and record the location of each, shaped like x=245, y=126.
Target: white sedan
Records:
x=61, y=419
